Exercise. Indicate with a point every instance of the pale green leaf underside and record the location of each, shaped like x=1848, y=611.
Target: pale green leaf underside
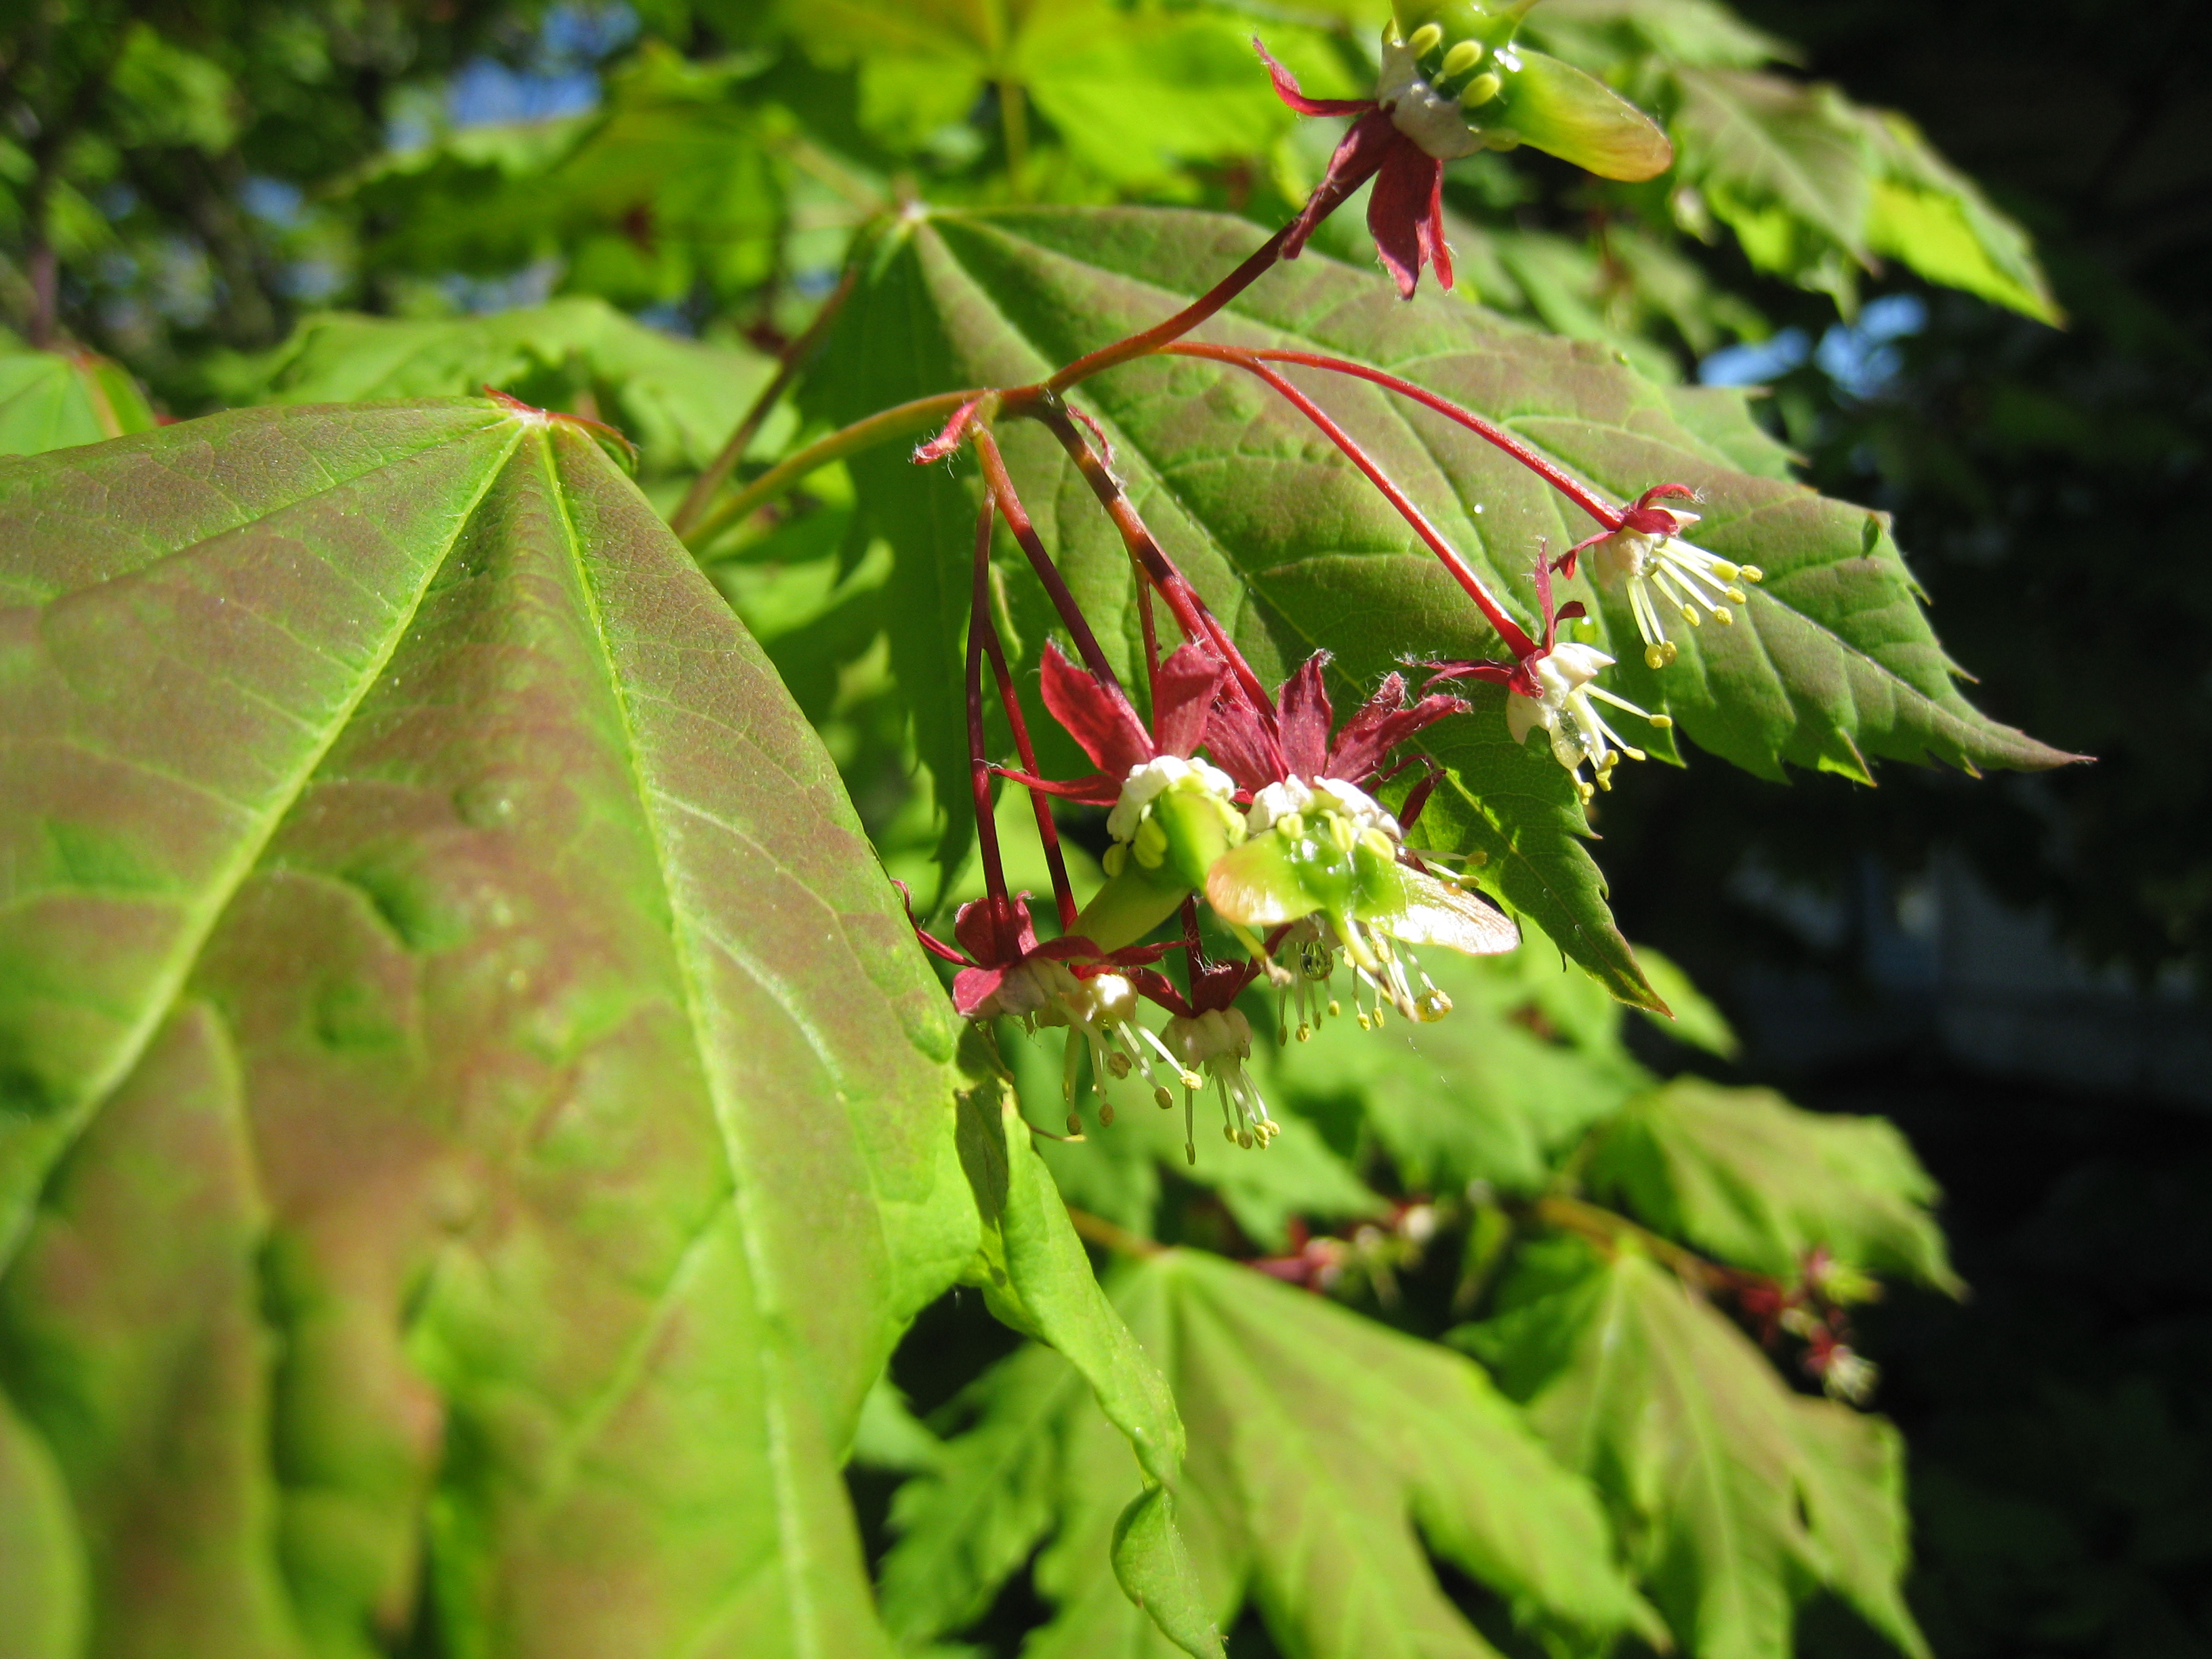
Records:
x=1319, y=1442
x=58, y=399
x=1743, y=1174
x=1742, y=1496
x=434, y=953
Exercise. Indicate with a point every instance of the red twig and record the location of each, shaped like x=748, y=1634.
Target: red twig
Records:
x=1139, y=345
x=1197, y=622
x=1048, y=831
x=1000, y=486
x=979, y=761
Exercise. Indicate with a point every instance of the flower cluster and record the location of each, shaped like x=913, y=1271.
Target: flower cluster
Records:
x=1261, y=812
x=1815, y=1311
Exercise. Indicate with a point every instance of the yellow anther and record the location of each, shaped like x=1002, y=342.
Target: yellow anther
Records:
x=1244, y=1140
x=1193, y=1081
x=1366, y=1024
x=1463, y=57
x=1480, y=91
x=1117, y=856
x=1335, y=1009
x=1690, y=615
x=1662, y=722
x=1750, y=573
x=1293, y=825
x=1737, y=594
x=1305, y=1032
x=1657, y=655
x=1723, y=615
x=1426, y=39
x=1725, y=571
x=1229, y=1134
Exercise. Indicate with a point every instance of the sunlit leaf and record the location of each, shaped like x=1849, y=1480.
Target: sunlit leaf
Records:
x=1831, y=662
x=677, y=399
x=476, y=1119
x=1744, y=1175
x=55, y=399
x=1936, y=220
x=1325, y=1449
x=1756, y=142
x=1741, y=1496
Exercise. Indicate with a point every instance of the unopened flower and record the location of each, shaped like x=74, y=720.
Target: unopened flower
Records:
x=1663, y=574
x=1453, y=82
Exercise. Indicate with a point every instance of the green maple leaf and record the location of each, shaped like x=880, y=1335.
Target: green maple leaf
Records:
x=1741, y=1496
x=1479, y=1095
x=1323, y=1449
x=473, y=1117
x=679, y=398
x=1832, y=662
x=1746, y=1175
x=56, y=400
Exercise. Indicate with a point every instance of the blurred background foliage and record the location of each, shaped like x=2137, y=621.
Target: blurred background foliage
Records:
x=628, y=212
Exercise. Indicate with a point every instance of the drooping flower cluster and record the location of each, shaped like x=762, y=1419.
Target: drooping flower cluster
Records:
x=1259, y=810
